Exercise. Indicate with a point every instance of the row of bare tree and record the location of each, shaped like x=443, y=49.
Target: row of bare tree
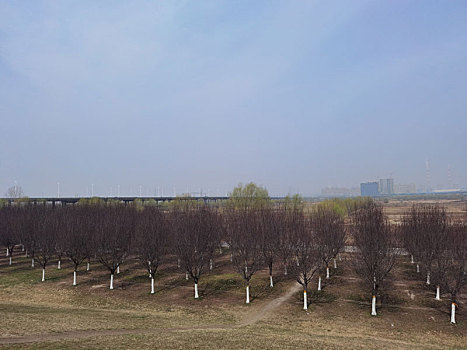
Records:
x=438, y=246
x=304, y=246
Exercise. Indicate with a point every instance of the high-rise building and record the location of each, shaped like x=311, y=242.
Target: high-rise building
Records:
x=386, y=186
x=369, y=189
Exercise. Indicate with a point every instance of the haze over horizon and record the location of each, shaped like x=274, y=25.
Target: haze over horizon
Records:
x=294, y=96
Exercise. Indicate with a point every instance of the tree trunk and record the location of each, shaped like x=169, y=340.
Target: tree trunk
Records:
x=59, y=264
x=210, y=264
x=437, y=293
x=271, y=284
x=87, y=266
x=74, y=278
x=10, y=259
x=196, y=290
x=335, y=263
x=373, y=305
x=32, y=262
x=118, y=269
x=186, y=276
x=327, y=272
x=43, y=274
x=428, y=278
x=285, y=269
x=6, y=252
x=178, y=263
x=411, y=259
x=305, y=303
x=453, y=312
x=152, y=285
x=319, y=283
x=418, y=268
x=111, y=281
x=247, y=294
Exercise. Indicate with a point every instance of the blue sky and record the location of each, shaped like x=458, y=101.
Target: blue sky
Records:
x=293, y=95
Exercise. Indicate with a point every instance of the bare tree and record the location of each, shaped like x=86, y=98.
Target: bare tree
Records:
x=307, y=251
x=46, y=227
x=376, y=246
x=196, y=236
x=10, y=227
x=152, y=243
x=271, y=225
x=75, y=233
x=450, y=264
x=14, y=192
x=328, y=227
x=244, y=231
x=114, y=229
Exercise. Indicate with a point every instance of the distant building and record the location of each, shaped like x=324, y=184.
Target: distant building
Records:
x=369, y=189
x=405, y=188
x=386, y=186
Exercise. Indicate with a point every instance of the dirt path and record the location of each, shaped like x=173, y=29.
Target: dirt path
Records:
x=252, y=317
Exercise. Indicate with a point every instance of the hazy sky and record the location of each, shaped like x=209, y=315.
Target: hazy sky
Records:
x=293, y=95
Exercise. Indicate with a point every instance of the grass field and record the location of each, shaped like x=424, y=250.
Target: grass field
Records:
x=54, y=314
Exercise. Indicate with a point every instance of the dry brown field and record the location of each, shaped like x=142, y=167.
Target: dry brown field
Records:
x=54, y=314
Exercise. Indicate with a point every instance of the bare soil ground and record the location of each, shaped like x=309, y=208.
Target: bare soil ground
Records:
x=54, y=314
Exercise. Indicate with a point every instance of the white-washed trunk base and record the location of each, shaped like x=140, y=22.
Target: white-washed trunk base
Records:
x=74, y=278
x=196, y=291
x=111, y=281
x=437, y=293
x=87, y=266
x=373, y=306
x=305, y=303
x=118, y=269
x=210, y=264
x=335, y=263
x=186, y=276
x=7, y=252
x=178, y=262
x=271, y=284
x=319, y=283
x=43, y=275
x=327, y=272
x=32, y=263
x=428, y=278
x=411, y=259
x=59, y=265
x=285, y=270
x=152, y=285
x=418, y=268
x=247, y=294
x=453, y=312
x=10, y=259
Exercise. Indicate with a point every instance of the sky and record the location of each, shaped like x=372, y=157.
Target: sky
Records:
x=164, y=97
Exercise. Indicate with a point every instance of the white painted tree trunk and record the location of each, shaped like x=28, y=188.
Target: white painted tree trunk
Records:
x=327, y=272
x=87, y=266
x=319, y=283
x=111, y=281
x=437, y=293
x=196, y=291
x=178, y=262
x=22, y=247
x=305, y=303
x=335, y=263
x=373, y=306
x=339, y=257
x=210, y=264
x=271, y=284
x=152, y=285
x=118, y=269
x=231, y=257
x=10, y=259
x=32, y=263
x=6, y=252
x=428, y=278
x=285, y=270
x=59, y=265
x=43, y=275
x=74, y=278
x=186, y=276
x=418, y=268
x=453, y=312
x=411, y=259
x=247, y=294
